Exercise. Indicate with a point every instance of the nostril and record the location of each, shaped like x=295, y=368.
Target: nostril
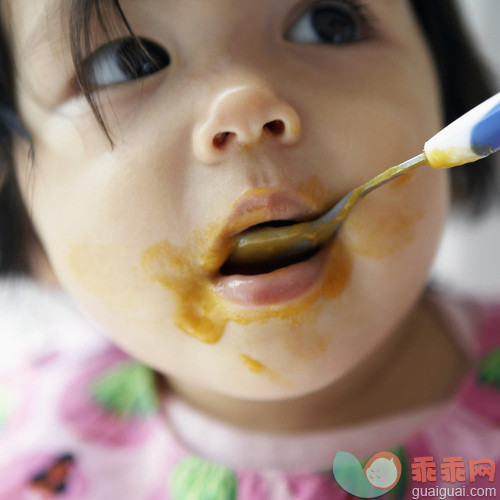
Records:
x=220, y=139
x=276, y=127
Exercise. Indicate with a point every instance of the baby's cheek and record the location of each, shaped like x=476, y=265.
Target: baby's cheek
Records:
x=106, y=274
x=384, y=222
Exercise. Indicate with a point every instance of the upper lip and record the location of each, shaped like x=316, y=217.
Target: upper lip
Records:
x=256, y=206
x=265, y=206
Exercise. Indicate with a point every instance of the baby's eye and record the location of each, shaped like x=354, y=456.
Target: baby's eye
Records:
x=123, y=60
x=329, y=21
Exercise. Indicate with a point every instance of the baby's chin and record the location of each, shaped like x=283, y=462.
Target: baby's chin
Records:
x=290, y=365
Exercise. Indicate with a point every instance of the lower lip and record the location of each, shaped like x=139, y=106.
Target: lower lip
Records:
x=276, y=287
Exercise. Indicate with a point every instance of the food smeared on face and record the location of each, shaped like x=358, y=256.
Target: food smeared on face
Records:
x=197, y=303
x=207, y=298
x=387, y=227
x=260, y=369
x=252, y=364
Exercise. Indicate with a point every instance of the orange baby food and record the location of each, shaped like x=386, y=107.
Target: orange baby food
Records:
x=380, y=232
x=450, y=157
x=252, y=364
x=204, y=314
x=260, y=369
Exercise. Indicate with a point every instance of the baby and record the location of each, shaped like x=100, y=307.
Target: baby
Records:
x=138, y=138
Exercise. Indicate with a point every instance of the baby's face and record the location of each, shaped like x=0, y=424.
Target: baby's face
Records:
x=261, y=111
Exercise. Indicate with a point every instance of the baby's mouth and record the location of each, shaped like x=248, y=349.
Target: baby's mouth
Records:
x=276, y=278
x=265, y=272
x=269, y=271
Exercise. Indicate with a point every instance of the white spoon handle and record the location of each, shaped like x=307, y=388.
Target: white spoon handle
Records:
x=469, y=138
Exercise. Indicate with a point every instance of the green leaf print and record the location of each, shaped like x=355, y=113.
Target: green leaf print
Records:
x=489, y=369
x=196, y=479
x=127, y=390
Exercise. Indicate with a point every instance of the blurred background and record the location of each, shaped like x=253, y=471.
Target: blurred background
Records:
x=469, y=257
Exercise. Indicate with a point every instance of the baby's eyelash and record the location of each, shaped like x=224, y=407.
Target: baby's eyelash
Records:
x=366, y=16
x=331, y=22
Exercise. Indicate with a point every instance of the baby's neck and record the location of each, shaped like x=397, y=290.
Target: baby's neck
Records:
x=419, y=366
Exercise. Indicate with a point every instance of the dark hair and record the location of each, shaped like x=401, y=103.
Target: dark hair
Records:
x=449, y=43
x=15, y=228
x=456, y=56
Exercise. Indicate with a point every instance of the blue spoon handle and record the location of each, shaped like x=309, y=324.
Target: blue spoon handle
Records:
x=469, y=138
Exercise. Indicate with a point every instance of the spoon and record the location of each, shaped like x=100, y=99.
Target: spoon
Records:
x=474, y=135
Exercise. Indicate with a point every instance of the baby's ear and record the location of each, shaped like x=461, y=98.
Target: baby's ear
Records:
x=39, y=266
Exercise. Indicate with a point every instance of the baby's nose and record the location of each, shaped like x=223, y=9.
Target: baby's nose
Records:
x=240, y=117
